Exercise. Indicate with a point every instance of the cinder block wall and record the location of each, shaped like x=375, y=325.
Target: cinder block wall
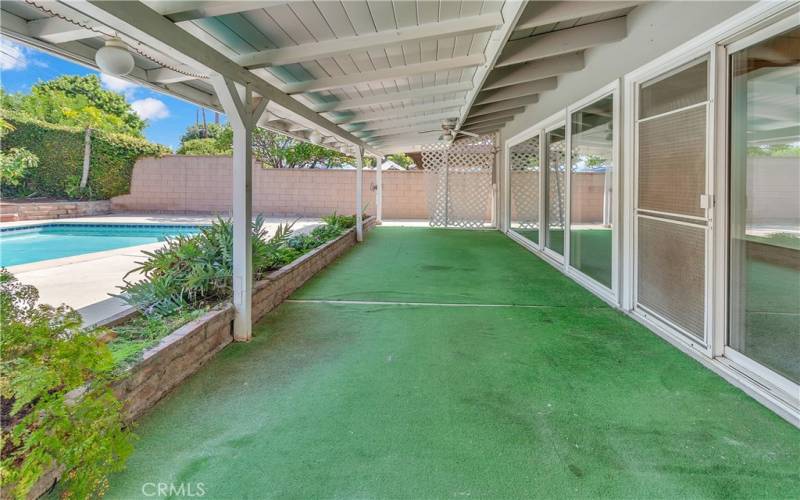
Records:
x=184, y=184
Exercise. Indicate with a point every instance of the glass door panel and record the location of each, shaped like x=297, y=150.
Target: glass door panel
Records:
x=764, y=322
x=555, y=190
x=524, y=184
x=591, y=190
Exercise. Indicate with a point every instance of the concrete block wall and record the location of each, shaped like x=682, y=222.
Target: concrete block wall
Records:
x=185, y=184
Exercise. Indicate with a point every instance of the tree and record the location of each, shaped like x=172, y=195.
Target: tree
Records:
x=211, y=131
x=401, y=159
x=202, y=147
x=280, y=151
x=107, y=101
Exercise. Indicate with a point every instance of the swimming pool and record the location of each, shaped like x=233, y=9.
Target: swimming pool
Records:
x=33, y=243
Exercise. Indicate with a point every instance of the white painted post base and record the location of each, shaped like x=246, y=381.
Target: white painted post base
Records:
x=243, y=112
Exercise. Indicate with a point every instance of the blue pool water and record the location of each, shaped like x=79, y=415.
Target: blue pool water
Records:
x=26, y=244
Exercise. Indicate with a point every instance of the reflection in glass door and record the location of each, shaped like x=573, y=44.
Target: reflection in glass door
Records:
x=555, y=189
x=591, y=190
x=524, y=189
x=764, y=322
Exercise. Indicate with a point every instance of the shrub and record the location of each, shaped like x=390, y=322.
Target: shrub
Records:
x=57, y=406
x=202, y=147
x=14, y=164
x=193, y=270
x=60, y=152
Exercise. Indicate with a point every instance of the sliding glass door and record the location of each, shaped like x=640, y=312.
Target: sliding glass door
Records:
x=591, y=190
x=764, y=247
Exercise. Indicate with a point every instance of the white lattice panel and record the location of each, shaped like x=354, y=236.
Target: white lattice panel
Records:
x=524, y=183
x=459, y=182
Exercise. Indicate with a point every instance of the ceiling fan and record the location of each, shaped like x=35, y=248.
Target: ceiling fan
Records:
x=449, y=134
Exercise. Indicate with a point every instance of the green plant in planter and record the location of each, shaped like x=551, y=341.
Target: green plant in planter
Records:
x=57, y=406
x=194, y=270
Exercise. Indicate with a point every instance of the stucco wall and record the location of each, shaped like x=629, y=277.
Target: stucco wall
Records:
x=203, y=184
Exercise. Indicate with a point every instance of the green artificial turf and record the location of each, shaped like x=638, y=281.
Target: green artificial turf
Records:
x=446, y=266
x=568, y=399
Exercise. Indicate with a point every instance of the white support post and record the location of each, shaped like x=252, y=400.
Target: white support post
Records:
x=243, y=112
x=379, y=189
x=359, y=201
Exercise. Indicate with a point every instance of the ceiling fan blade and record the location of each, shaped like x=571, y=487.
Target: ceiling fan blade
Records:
x=428, y=131
x=469, y=134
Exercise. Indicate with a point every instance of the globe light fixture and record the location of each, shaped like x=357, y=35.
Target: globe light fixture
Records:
x=315, y=137
x=114, y=58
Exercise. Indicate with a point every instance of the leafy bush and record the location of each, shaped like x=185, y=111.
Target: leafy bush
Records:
x=333, y=227
x=57, y=407
x=14, y=164
x=192, y=270
x=203, y=147
x=60, y=152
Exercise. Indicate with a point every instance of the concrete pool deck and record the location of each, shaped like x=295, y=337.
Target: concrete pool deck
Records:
x=85, y=282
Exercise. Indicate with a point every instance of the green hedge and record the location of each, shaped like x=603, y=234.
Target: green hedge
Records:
x=60, y=152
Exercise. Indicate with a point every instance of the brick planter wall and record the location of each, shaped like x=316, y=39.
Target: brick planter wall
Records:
x=187, y=349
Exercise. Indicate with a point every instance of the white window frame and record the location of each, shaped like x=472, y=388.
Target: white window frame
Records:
x=609, y=294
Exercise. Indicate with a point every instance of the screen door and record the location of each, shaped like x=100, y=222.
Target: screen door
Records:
x=671, y=214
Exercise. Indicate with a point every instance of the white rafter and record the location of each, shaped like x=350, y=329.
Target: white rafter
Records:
x=385, y=74
x=544, y=13
x=563, y=41
x=535, y=70
x=362, y=43
x=503, y=105
x=403, y=112
x=408, y=121
x=513, y=92
x=453, y=88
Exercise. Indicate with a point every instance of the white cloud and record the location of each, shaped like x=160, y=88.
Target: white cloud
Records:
x=150, y=109
x=12, y=56
x=118, y=84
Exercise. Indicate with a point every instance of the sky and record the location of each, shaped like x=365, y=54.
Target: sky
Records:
x=167, y=118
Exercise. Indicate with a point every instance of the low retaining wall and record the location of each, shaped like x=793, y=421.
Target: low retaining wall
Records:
x=202, y=184
x=187, y=349
x=53, y=209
